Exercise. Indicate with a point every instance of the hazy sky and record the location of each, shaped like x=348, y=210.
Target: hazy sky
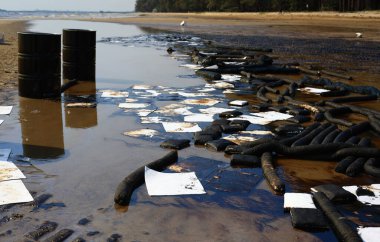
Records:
x=84, y=5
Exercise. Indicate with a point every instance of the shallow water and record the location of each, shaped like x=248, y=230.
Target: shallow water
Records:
x=118, y=67
x=88, y=156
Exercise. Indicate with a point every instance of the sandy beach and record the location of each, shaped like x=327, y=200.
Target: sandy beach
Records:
x=8, y=51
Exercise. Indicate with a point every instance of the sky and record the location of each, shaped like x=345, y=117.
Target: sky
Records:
x=81, y=5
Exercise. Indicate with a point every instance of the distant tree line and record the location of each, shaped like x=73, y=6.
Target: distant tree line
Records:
x=254, y=5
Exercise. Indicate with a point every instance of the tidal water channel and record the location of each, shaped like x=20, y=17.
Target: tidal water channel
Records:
x=88, y=156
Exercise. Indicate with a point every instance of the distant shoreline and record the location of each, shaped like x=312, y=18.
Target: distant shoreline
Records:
x=250, y=15
x=310, y=24
x=298, y=25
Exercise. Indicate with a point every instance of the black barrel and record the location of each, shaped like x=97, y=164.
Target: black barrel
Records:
x=79, y=54
x=39, y=64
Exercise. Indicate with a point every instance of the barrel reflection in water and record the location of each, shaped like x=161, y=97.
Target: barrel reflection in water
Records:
x=81, y=117
x=79, y=57
x=42, y=128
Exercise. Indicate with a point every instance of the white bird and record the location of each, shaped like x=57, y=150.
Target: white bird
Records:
x=359, y=35
x=183, y=23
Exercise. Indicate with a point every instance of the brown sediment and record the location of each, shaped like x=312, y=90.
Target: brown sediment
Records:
x=8, y=52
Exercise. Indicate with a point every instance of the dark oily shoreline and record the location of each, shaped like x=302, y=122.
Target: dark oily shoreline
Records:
x=214, y=60
x=330, y=53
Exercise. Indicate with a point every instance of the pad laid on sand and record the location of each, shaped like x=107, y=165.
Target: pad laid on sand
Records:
x=114, y=94
x=371, y=198
x=164, y=184
x=14, y=191
x=273, y=116
x=133, y=105
x=202, y=101
x=141, y=133
x=298, y=200
x=181, y=127
x=369, y=234
x=6, y=110
x=197, y=117
x=215, y=110
x=9, y=171
x=313, y=90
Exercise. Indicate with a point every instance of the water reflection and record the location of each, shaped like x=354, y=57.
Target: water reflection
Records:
x=81, y=117
x=82, y=88
x=41, y=127
x=118, y=66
